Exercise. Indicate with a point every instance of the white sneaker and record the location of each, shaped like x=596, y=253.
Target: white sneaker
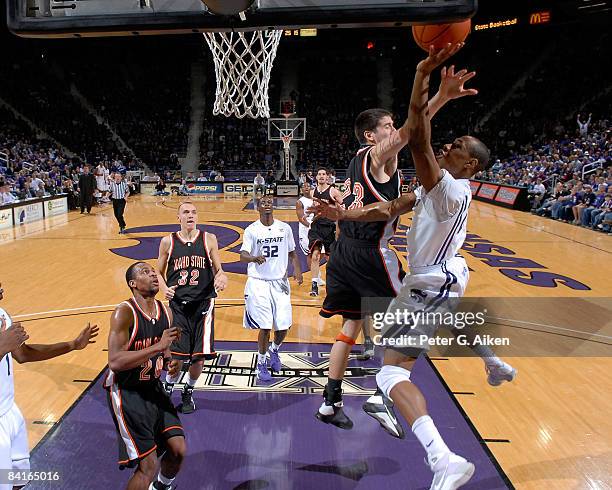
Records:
x=496, y=375
x=450, y=472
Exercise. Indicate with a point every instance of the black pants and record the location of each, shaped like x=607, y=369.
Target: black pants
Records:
x=118, y=208
x=86, y=202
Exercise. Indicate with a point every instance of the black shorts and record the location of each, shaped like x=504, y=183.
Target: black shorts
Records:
x=145, y=419
x=358, y=269
x=322, y=234
x=197, y=323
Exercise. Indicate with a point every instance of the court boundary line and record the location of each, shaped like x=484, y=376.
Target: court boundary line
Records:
x=97, y=307
x=58, y=422
x=479, y=438
x=493, y=215
x=608, y=337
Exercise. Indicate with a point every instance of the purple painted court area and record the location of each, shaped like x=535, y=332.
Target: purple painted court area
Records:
x=245, y=435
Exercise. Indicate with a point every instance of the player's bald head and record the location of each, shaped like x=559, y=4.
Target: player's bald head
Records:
x=478, y=150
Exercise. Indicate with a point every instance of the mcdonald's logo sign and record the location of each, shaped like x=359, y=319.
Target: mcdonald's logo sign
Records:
x=540, y=17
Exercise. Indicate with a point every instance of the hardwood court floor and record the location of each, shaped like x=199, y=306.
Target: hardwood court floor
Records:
x=548, y=429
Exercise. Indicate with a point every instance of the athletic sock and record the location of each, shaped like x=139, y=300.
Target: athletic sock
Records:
x=163, y=480
x=189, y=381
x=426, y=432
x=172, y=379
x=261, y=358
x=274, y=347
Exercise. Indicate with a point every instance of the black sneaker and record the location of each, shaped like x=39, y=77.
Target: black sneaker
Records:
x=338, y=418
x=314, y=291
x=168, y=387
x=380, y=408
x=187, y=404
x=368, y=348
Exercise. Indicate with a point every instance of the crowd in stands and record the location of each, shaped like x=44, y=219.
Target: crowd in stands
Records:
x=32, y=167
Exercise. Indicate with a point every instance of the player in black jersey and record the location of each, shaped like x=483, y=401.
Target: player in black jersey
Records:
x=362, y=264
x=138, y=345
x=322, y=232
x=190, y=275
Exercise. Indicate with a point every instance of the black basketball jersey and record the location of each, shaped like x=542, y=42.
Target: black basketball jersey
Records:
x=144, y=332
x=190, y=267
x=360, y=190
x=325, y=196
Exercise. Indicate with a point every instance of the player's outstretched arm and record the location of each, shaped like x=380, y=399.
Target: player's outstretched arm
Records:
x=380, y=211
x=299, y=211
x=419, y=125
x=213, y=250
x=42, y=352
x=162, y=265
x=119, y=358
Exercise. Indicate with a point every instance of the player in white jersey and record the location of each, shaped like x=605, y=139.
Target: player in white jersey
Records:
x=102, y=183
x=436, y=271
x=267, y=246
x=305, y=220
x=14, y=452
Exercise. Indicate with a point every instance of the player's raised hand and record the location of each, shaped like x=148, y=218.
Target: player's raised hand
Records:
x=436, y=58
x=13, y=338
x=169, y=336
x=220, y=281
x=451, y=83
x=85, y=337
x=323, y=209
x=169, y=292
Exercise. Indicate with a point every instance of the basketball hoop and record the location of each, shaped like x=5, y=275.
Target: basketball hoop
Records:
x=243, y=63
x=286, y=141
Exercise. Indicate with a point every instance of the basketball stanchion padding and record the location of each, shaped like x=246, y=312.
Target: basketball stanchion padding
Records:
x=243, y=63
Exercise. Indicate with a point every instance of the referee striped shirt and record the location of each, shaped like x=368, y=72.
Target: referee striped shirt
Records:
x=118, y=190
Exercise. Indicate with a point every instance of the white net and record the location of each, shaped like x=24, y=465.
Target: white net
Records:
x=243, y=63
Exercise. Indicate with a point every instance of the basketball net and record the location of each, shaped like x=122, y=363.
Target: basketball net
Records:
x=243, y=63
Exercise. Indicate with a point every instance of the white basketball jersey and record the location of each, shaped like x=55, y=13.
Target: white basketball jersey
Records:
x=440, y=221
x=7, y=387
x=273, y=242
x=307, y=203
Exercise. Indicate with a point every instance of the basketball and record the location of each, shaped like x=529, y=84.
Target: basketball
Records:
x=439, y=35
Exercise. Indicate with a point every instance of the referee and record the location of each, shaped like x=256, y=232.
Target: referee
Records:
x=119, y=193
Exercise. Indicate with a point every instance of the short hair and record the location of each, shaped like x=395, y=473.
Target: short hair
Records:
x=478, y=150
x=185, y=202
x=324, y=170
x=367, y=121
x=131, y=272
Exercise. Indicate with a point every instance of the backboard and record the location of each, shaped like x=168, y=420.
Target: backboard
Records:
x=96, y=18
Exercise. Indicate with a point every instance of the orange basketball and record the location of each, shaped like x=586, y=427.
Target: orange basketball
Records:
x=439, y=35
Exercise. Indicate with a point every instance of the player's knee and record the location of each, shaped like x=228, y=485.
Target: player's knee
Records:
x=148, y=466
x=177, y=449
x=316, y=254
x=390, y=376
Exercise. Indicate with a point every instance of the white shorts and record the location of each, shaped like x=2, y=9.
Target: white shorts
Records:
x=267, y=304
x=427, y=289
x=14, y=452
x=304, y=240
